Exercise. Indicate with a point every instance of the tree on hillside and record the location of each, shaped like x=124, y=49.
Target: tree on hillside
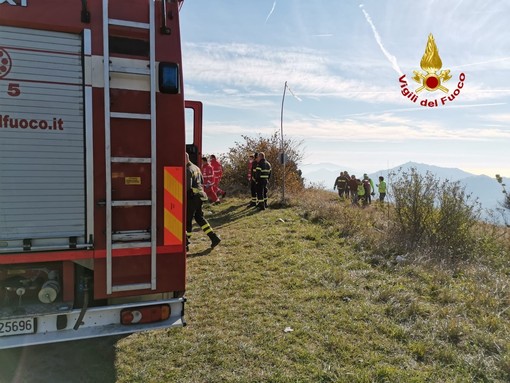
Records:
x=235, y=163
x=506, y=201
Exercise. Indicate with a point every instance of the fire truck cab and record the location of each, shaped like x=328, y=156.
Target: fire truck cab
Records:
x=92, y=192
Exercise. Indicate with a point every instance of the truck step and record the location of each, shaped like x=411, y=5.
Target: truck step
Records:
x=130, y=24
x=136, y=116
x=132, y=235
x=131, y=160
x=128, y=70
x=128, y=203
x=130, y=245
x=135, y=286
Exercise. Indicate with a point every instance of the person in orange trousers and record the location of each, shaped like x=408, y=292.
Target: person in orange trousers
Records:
x=218, y=173
x=208, y=176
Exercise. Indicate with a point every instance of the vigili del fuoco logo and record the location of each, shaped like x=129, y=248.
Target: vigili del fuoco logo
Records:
x=432, y=78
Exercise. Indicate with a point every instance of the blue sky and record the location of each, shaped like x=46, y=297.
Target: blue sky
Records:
x=342, y=59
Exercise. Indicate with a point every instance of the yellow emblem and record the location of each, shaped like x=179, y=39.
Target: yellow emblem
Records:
x=431, y=63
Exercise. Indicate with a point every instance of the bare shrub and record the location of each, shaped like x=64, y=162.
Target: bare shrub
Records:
x=438, y=218
x=456, y=218
x=414, y=196
x=235, y=164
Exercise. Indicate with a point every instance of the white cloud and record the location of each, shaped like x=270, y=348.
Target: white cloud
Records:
x=255, y=71
x=253, y=68
x=388, y=128
x=501, y=118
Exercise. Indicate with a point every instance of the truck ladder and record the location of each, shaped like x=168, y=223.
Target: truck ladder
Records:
x=140, y=238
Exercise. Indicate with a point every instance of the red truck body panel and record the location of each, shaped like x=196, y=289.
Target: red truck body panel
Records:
x=128, y=138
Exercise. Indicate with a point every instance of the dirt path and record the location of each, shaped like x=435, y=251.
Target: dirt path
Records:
x=91, y=360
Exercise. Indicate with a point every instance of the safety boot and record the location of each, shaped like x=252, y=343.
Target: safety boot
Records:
x=215, y=240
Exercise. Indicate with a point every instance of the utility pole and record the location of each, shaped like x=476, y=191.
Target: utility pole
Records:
x=282, y=144
x=283, y=158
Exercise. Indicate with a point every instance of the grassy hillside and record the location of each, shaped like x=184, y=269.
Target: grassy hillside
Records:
x=289, y=297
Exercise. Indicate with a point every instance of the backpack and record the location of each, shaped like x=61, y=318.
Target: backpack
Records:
x=366, y=184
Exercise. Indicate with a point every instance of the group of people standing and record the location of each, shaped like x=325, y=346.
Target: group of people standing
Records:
x=360, y=191
x=196, y=196
x=259, y=172
x=202, y=185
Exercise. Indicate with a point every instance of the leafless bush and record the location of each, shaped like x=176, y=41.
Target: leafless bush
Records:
x=235, y=164
x=436, y=217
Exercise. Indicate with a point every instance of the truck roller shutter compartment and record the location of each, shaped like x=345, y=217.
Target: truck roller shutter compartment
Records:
x=42, y=164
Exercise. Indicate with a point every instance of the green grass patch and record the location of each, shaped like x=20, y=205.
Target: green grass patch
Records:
x=287, y=297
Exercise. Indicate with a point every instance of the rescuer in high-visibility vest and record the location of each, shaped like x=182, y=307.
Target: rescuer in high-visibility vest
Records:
x=361, y=193
x=208, y=175
x=381, y=187
x=196, y=197
x=262, y=175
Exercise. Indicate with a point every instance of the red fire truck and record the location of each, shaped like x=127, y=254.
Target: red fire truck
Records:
x=92, y=193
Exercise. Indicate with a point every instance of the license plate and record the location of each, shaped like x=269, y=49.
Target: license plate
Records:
x=17, y=326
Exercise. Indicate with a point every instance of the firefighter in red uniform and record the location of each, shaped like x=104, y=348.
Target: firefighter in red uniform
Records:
x=262, y=174
x=196, y=197
x=251, y=177
x=218, y=173
x=208, y=175
x=250, y=162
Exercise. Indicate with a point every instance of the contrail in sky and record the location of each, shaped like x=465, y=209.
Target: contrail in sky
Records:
x=392, y=59
x=271, y=11
x=482, y=62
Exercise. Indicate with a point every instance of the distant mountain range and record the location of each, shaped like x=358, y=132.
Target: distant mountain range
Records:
x=486, y=189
